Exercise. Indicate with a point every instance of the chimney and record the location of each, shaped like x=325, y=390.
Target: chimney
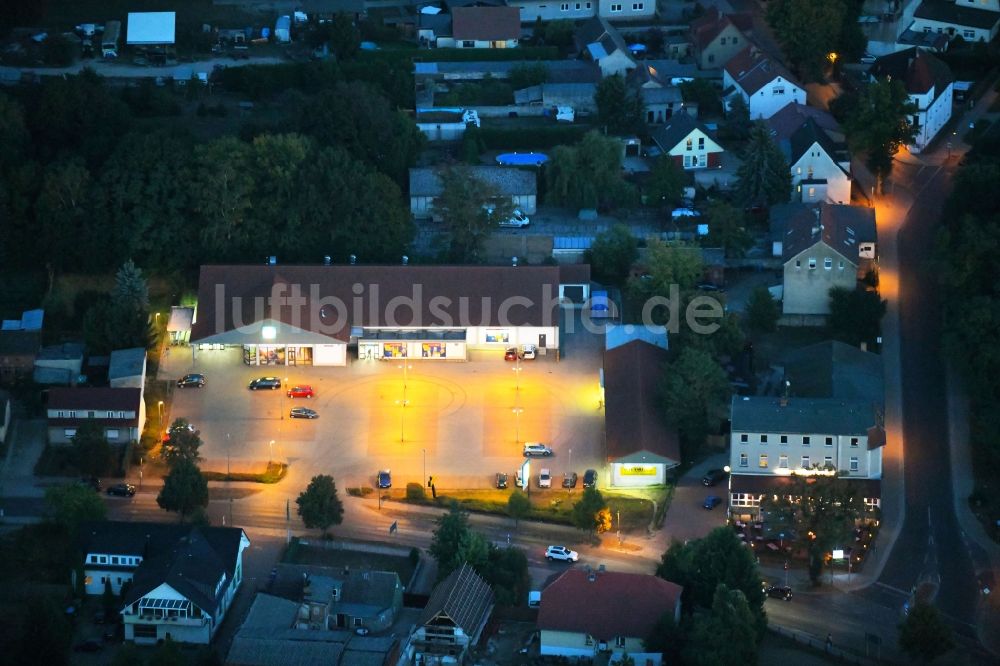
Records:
x=353, y=259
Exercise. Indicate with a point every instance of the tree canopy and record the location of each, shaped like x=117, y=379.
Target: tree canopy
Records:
x=183, y=444
x=923, y=635
x=724, y=634
x=695, y=390
x=762, y=311
x=810, y=31
x=518, y=505
x=612, y=254
x=470, y=209
x=74, y=503
x=764, y=177
x=455, y=543
x=94, y=455
x=585, y=512
x=878, y=124
x=319, y=506
x=184, y=489
x=619, y=109
x=588, y=174
x=856, y=315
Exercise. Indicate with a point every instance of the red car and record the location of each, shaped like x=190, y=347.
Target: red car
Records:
x=510, y=354
x=300, y=392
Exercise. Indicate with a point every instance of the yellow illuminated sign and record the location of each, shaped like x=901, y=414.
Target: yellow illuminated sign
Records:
x=638, y=470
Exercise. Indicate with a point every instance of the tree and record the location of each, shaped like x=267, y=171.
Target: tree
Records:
x=822, y=517
x=128, y=655
x=319, y=505
x=472, y=145
x=168, y=653
x=764, y=176
x=506, y=571
x=584, y=513
x=454, y=543
x=602, y=521
x=856, y=315
x=762, y=311
x=670, y=264
x=72, y=504
x=527, y=75
x=618, y=109
x=725, y=634
x=222, y=191
x=470, y=209
x=666, y=182
x=738, y=121
x=184, y=489
x=108, y=599
x=923, y=635
x=560, y=33
x=62, y=210
x=588, y=174
x=121, y=320
x=45, y=633
x=667, y=637
x=879, y=124
x=518, y=506
x=701, y=565
x=810, y=31
x=612, y=254
x=704, y=94
x=94, y=455
x=695, y=389
x=726, y=230
x=183, y=444
x=343, y=35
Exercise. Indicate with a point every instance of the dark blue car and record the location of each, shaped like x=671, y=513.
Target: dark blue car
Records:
x=712, y=501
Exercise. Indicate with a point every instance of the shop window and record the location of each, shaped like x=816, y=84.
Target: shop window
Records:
x=497, y=336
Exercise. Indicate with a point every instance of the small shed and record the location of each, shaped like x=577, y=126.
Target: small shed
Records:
x=127, y=368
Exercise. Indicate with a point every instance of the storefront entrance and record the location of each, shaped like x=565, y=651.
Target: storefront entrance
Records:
x=277, y=355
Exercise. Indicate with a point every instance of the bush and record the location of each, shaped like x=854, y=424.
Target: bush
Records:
x=415, y=491
x=364, y=491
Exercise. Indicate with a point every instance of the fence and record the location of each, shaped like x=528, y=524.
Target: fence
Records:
x=820, y=645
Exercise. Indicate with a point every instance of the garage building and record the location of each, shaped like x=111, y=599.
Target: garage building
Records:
x=312, y=315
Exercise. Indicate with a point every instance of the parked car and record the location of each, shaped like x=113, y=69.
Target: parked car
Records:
x=121, y=490
x=569, y=480
x=273, y=383
x=193, y=379
x=518, y=479
x=502, y=480
x=536, y=449
x=708, y=286
x=303, y=413
x=713, y=476
x=712, y=501
x=384, y=478
x=545, y=478
x=517, y=219
x=303, y=391
x=590, y=478
x=510, y=354
x=561, y=553
x=362, y=631
x=779, y=592
x=529, y=352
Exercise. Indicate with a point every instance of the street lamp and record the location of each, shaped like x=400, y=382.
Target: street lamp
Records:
x=517, y=374
x=729, y=489
x=402, y=417
x=159, y=409
x=271, y=454
x=517, y=424
x=424, y=452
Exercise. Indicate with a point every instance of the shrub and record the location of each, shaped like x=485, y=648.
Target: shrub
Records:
x=364, y=491
x=415, y=491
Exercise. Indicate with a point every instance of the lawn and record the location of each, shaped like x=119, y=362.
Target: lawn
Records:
x=554, y=506
x=299, y=553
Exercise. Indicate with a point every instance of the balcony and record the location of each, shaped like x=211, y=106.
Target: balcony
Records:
x=184, y=621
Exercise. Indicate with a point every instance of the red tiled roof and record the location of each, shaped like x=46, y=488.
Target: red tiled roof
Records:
x=613, y=604
x=633, y=416
x=708, y=26
x=751, y=69
x=486, y=23
x=94, y=398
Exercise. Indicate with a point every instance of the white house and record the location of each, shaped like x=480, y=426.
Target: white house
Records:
x=765, y=86
x=776, y=438
x=483, y=28
x=586, y=613
x=179, y=580
x=816, y=151
x=972, y=20
x=600, y=42
x=120, y=412
x=929, y=84
x=688, y=143
x=575, y=10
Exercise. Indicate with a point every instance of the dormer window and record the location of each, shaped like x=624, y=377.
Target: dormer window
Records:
x=689, y=144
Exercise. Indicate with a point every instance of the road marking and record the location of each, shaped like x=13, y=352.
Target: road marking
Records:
x=893, y=589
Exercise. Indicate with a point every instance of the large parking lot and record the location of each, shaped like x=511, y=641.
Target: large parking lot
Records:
x=469, y=419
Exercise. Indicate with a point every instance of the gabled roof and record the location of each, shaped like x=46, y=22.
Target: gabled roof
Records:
x=676, y=130
x=751, y=69
x=808, y=134
x=613, y=604
x=633, y=414
x=709, y=25
x=957, y=15
x=127, y=363
x=839, y=226
x=833, y=369
x=508, y=181
x=821, y=416
x=790, y=118
x=919, y=70
x=597, y=31
x=464, y=598
x=95, y=398
x=486, y=23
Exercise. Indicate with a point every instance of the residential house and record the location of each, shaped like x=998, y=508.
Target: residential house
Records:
x=532, y=10
x=775, y=438
x=717, y=37
x=477, y=27
x=127, y=368
x=332, y=598
x=834, y=369
x=59, y=365
x=815, y=148
x=584, y=613
x=433, y=25
x=520, y=185
x=929, y=84
x=179, y=579
x=120, y=411
x=823, y=246
x=765, y=85
x=972, y=20
x=19, y=343
x=688, y=143
x=326, y=10
x=580, y=96
x=598, y=41
x=453, y=619
x=641, y=446
x=660, y=99
x=273, y=633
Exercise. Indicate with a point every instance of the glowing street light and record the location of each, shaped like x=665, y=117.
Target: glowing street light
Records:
x=159, y=408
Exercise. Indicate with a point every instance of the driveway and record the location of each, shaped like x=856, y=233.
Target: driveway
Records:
x=460, y=422
x=687, y=518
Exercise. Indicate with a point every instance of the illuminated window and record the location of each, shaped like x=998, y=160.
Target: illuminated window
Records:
x=763, y=460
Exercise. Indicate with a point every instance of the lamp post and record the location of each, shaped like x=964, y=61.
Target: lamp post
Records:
x=159, y=409
x=271, y=452
x=424, y=452
x=729, y=489
x=517, y=424
x=517, y=374
x=402, y=417
x=140, y=472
